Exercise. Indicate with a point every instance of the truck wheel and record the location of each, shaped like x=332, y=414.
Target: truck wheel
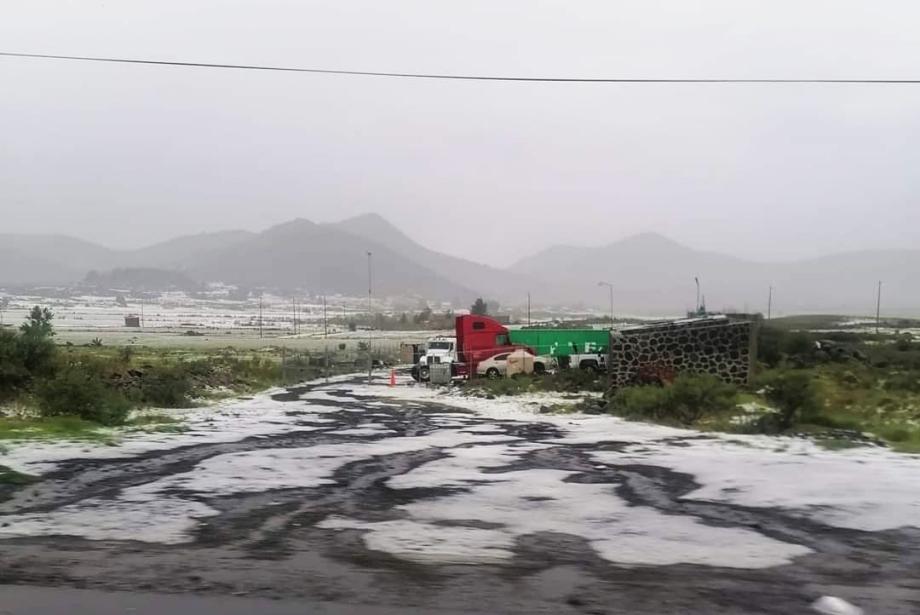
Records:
x=539, y=369
x=423, y=373
x=492, y=373
x=414, y=373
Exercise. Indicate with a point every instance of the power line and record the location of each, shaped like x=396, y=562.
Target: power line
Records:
x=458, y=77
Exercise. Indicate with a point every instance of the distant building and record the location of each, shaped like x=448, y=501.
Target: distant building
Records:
x=132, y=320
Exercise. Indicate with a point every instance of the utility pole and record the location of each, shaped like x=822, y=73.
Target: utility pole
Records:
x=770, y=304
x=142, y=310
x=528, y=309
x=260, y=315
x=325, y=341
x=610, y=287
x=878, y=307
x=697, y=280
x=370, y=327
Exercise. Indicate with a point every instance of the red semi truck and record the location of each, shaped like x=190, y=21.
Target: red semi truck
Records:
x=479, y=338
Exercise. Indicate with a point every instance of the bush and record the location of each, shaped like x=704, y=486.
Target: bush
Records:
x=574, y=380
x=774, y=345
x=27, y=353
x=688, y=399
x=889, y=355
x=81, y=392
x=794, y=395
x=166, y=387
x=13, y=373
x=903, y=381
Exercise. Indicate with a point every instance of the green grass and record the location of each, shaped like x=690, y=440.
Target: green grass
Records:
x=58, y=427
x=12, y=477
x=152, y=419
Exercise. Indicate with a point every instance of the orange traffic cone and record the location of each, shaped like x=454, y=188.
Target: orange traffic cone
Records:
x=392, y=377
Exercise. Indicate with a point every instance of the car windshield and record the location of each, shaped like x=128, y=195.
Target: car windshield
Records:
x=439, y=345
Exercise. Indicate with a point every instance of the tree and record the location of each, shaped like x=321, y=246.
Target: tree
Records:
x=479, y=307
x=423, y=316
x=38, y=323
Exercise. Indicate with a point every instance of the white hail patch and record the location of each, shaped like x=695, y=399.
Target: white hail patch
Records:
x=525, y=502
x=867, y=489
x=138, y=513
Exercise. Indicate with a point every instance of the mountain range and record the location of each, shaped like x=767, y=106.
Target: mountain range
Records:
x=651, y=274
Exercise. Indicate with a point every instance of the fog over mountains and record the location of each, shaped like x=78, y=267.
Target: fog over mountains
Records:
x=650, y=273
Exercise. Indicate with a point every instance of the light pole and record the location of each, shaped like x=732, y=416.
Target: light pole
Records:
x=609, y=287
x=770, y=304
x=528, y=309
x=325, y=341
x=370, y=326
x=697, y=280
x=878, y=306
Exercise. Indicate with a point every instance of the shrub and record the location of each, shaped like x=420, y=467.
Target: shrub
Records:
x=13, y=372
x=688, y=399
x=166, y=386
x=574, y=380
x=889, y=355
x=27, y=353
x=903, y=381
x=774, y=345
x=794, y=395
x=81, y=392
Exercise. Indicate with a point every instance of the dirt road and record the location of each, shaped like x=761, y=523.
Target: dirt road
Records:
x=395, y=498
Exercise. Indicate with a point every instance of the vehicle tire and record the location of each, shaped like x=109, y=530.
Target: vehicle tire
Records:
x=539, y=369
x=589, y=366
x=492, y=373
x=424, y=372
x=414, y=373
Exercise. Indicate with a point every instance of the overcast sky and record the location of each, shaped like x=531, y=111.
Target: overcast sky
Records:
x=129, y=155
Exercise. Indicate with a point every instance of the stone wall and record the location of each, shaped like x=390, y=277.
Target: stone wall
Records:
x=719, y=346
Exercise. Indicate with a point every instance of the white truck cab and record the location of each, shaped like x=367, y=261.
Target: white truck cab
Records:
x=438, y=349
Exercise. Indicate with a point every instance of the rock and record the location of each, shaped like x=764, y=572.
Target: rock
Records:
x=831, y=605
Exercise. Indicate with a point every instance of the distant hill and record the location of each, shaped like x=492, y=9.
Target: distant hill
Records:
x=651, y=273
x=322, y=258
x=21, y=268
x=175, y=253
x=485, y=281
x=69, y=253
x=140, y=278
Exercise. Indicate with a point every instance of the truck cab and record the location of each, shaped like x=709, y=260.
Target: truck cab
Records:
x=438, y=349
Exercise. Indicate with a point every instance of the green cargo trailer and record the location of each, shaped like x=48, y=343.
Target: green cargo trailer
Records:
x=562, y=342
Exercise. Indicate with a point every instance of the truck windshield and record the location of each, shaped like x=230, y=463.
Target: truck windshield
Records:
x=439, y=345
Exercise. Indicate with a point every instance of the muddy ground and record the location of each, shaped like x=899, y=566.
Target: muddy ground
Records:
x=267, y=544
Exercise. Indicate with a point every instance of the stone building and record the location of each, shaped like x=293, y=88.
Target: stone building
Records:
x=724, y=347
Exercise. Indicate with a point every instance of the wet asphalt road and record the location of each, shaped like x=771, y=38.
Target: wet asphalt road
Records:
x=64, y=601
x=266, y=550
